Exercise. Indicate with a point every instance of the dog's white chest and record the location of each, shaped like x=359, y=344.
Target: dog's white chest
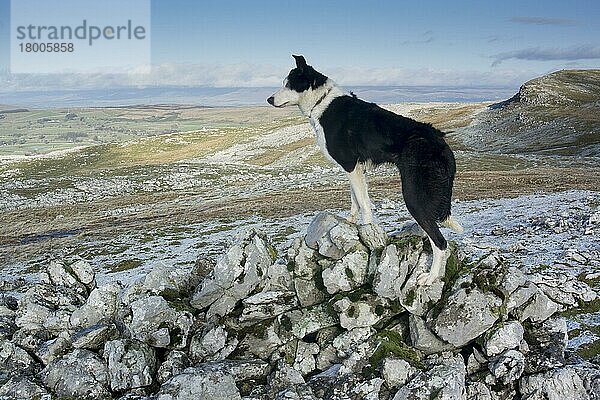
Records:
x=321, y=141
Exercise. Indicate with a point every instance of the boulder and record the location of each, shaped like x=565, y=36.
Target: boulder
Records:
x=332, y=236
x=559, y=384
x=508, y=367
x=466, y=316
x=100, y=305
x=22, y=388
x=80, y=374
x=445, y=381
x=156, y=323
x=506, y=336
x=194, y=383
x=131, y=364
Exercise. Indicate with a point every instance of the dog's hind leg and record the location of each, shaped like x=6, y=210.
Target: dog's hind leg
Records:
x=358, y=184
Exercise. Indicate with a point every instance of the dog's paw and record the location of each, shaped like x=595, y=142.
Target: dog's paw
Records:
x=426, y=279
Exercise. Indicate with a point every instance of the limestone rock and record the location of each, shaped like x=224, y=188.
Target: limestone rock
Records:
x=154, y=322
x=100, y=305
x=360, y=314
x=558, y=384
x=507, y=336
x=466, y=316
x=53, y=349
x=539, y=309
x=210, y=346
x=422, y=338
x=346, y=274
x=267, y=305
x=397, y=372
x=94, y=337
x=508, y=367
x=305, y=361
x=15, y=361
x=80, y=374
x=373, y=236
x=445, y=381
x=21, y=388
x=131, y=364
x=195, y=384
x=237, y=274
x=175, y=363
x=332, y=236
x=389, y=277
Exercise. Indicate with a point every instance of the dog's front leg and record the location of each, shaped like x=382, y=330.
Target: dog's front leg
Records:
x=360, y=193
x=353, y=218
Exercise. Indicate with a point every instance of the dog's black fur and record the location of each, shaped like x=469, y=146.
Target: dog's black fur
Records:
x=357, y=131
x=360, y=132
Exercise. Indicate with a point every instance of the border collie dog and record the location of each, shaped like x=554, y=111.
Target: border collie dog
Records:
x=355, y=135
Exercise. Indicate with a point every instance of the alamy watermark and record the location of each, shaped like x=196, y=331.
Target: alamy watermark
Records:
x=83, y=36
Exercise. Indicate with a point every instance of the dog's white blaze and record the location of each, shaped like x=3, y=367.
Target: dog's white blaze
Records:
x=286, y=97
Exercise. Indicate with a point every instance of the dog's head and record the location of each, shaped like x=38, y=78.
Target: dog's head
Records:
x=301, y=81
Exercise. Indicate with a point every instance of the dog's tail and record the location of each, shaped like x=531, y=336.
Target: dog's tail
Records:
x=453, y=224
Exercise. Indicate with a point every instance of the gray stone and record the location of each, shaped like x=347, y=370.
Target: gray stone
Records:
x=397, y=372
x=466, y=316
x=422, y=338
x=84, y=273
x=331, y=236
x=167, y=280
x=80, y=374
x=47, y=307
x=174, y=364
x=547, y=343
x=154, y=322
x=266, y=305
x=63, y=275
x=21, y=388
x=389, y=278
x=346, y=274
x=209, y=346
x=373, y=236
x=520, y=296
x=508, y=367
x=478, y=391
x=417, y=299
x=194, y=384
x=53, y=349
x=564, y=289
x=360, y=314
x=100, y=305
x=15, y=361
x=512, y=280
x=131, y=364
x=558, y=384
x=506, y=336
x=539, y=309
x=306, y=271
x=278, y=278
x=235, y=276
x=305, y=321
x=284, y=376
x=305, y=361
x=94, y=337
x=443, y=382
x=347, y=341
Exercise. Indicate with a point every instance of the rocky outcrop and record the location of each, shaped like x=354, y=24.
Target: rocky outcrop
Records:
x=340, y=317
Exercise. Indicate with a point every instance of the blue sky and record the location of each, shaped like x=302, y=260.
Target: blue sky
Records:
x=248, y=43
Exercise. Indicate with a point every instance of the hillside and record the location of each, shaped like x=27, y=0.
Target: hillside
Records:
x=556, y=114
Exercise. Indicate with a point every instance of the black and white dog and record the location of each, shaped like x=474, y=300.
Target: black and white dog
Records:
x=355, y=135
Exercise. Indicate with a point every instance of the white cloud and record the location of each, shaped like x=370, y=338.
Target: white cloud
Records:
x=247, y=75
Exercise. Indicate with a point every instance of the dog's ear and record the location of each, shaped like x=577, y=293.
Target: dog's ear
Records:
x=300, y=61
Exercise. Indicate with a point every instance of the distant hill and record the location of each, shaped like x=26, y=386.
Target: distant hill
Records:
x=558, y=113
